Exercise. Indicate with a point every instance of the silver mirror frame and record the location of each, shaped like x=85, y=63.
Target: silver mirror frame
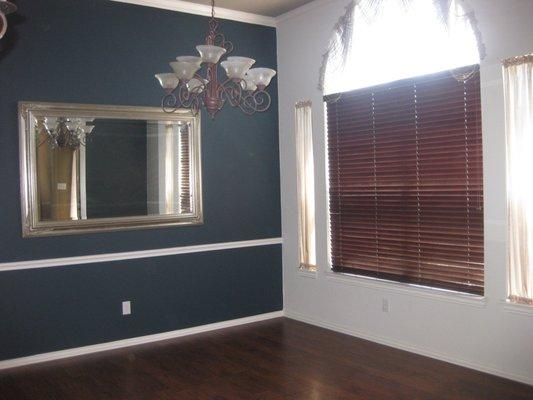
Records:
x=32, y=227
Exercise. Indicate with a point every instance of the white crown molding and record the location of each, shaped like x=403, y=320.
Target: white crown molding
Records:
x=130, y=255
x=96, y=348
x=493, y=370
x=205, y=10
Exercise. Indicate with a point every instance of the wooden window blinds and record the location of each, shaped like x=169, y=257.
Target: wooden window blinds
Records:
x=406, y=181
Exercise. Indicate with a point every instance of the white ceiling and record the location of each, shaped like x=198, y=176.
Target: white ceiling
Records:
x=270, y=8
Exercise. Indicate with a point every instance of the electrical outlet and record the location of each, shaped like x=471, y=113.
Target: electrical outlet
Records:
x=385, y=306
x=126, y=307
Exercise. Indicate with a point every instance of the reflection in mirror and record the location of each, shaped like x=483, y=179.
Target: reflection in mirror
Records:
x=93, y=170
x=124, y=168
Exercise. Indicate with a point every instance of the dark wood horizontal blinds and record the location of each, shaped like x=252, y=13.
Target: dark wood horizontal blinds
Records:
x=406, y=182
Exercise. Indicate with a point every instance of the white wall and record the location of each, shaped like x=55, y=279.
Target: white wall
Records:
x=484, y=334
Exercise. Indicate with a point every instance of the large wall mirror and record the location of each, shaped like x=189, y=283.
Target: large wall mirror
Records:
x=87, y=168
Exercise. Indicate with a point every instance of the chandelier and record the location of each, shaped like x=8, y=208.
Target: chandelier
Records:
x=64, y=132
x=188, y=88
x=6, y=8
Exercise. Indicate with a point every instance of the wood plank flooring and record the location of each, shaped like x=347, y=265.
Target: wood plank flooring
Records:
x=271, y=360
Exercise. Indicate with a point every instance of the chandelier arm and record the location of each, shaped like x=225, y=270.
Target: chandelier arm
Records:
x=220, y=40
x=169, y=103
x=262, y=100
x=258, y=101
x=248, y=105
x=183, y=95
x=232, y=90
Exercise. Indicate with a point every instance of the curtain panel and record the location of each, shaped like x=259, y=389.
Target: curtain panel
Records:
x=306, y=186
x=518, y=89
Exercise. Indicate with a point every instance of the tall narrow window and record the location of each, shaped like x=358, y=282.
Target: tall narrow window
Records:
x=306, y=185
x=518, y=86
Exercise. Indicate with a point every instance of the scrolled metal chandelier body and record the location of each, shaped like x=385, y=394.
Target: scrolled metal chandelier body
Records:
x=245, y=87
x=6, y=7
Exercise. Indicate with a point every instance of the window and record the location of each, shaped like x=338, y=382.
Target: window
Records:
x=405, y=157
x=518, y=85
x=380, y=41
x=405, y=177
x=306, y=185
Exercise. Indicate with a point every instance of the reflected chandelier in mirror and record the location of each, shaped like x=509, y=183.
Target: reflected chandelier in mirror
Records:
x=140, y=168
x=65, y=132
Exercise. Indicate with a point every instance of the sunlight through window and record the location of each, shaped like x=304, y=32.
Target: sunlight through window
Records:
x=396, y=41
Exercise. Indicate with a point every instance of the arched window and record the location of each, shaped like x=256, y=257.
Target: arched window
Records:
x=404, y=144
x=379, y=41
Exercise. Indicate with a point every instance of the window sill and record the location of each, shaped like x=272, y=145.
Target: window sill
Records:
x=307, y=273
x=408, y=289
x=517, y=308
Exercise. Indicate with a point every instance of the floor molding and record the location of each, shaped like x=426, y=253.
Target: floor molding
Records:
x=408, y=347
x=57, y=355
x=205, y=10
x=130, y=255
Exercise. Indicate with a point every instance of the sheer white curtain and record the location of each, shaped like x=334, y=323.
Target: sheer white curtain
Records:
x=518, y=87
x=306, y=185
x=379, y=41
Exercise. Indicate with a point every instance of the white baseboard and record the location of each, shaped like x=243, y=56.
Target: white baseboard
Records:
x=408, y=347
x=96, y=348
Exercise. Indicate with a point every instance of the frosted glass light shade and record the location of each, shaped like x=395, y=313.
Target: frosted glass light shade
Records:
x=50, y=123
x=209, y=53
x=168, y=81
x=261, y=76
x=192, y=59
x=248, y=85
x=184, y=70
x=196, y=85
x=87, y=129
x=251, y=61
x=236, y=67
x=73, y=124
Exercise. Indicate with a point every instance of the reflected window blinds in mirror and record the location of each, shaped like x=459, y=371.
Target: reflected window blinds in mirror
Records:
x=95, y=168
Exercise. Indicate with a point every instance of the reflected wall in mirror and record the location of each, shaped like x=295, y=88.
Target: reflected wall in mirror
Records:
x=87, y=168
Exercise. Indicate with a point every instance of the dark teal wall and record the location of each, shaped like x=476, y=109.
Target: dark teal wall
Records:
x=105, y=52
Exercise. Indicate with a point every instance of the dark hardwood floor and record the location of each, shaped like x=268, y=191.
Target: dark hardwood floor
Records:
x=271, y=360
